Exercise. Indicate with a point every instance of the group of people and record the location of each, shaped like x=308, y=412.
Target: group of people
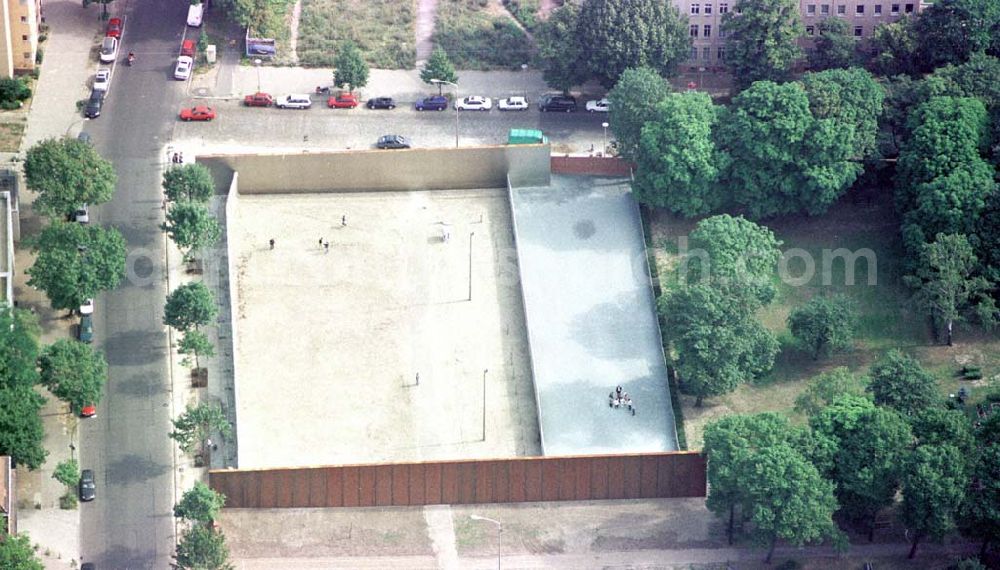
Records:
x=619, y=398
x=177, y=158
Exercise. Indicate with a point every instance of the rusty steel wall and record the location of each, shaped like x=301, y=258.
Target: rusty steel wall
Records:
x=591, y=165
x=517, y=480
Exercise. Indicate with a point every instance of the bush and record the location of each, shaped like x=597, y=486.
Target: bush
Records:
x=524, y=11
x=39, y=55
x=971, y=373
x=68, y=501
x=67, y=472
x=14, y=90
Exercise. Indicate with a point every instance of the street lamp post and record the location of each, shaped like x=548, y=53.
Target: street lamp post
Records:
x=524, y=79
x=499, y=535
x=471, y=235
x=604, y=149
x=485, y=370
x=440, y=82
x=256, y=64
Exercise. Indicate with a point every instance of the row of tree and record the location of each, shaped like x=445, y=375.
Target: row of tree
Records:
x=868, y=441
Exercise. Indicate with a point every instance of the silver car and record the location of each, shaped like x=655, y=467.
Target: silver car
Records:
x=109, y=50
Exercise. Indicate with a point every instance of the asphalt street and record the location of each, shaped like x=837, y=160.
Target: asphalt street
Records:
x=130, y=525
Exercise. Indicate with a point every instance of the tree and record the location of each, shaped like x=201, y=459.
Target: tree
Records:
x=946, y=285
x=894, y=46
x=191, y=182
x=200, y=504
x=939, y=426
x=21, y=430
x=18, y=348
x=950, y=31
x=826, y=387
x=75, y=262
x=899, y=382
x=734, y=253
x=761, y=40
x=849, y=97
x=783, y=160
x=834, y=47
x=560, y=53
x=74, y=372
x=189, y=306
x=195, y=343
x=622, y=35
x=192, y=227
x=864, y=447
x=67, y=173
x=717, y=341
x=980, y=514
x=634, y=102
x=16, y=553
x=678, y=162
x=824, y=324
x=438, y=69
x=193, y=428
x=350, y=67
x=202, y=548
x=67, y=472
x=934, y=481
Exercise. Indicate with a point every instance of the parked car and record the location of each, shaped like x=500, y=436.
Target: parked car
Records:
x=94, y=104
x=598, y=106
x=88, y=487
x=381, y=103
x=342, y=101
x=435, y=103
x=182, y=71
x=393, y=141
x=474, y=103
x=82, y=214
x=564, y=103
x=197, y=113
x=87, y=566
x=86, y=331
x=195, y=13
x=294, y=101
x=188, y=48
x=102, y=79
x=258, y=100
x=266, y=50
x=109, y=49
x=87, y=307
x=89, y=411
x=513, y=104
x=83, y=137
x=114, y=29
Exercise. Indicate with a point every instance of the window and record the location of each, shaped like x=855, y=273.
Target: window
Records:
x=811, y=10
x=706, y=53
x=858, y=31
x=695, y=8
x=27, y=55
x=693, y=30
x=895, y=9
x=722, y=33
x=810, y=30
x=24, y=19
x=909, y=9
x=707, y=31
x=859, y=10
x=723, y=7
x=824, y=9
x=694, y=54
x=708, y=9
x=841, y=10
x=721, y=53
x=878, y=9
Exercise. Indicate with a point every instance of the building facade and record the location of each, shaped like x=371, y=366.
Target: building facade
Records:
x=708, y=41
x=20, y=21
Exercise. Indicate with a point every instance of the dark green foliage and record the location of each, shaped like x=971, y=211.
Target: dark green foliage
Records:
x=67, y=472
x=980, y=514
x=202, y=548
x=761, y=41
x=67, y=173
x=635, y=101
x=16, y=553
x=934, y=482
x=200, y=504
x=192, y=227
x=13, y=90
x=21, y=431
x=195, y=343
x=894, y=46
x=899, y=382
x=74, y=372
x=439, y=68
x=850, y=97
x=950, y=31
x=524, y=11
x=76, y=262
x=349, y=67
x=188, y=182
x=479, y=42
x=18, y=348
x=939, y=425
x=834, y=46
x=193, y=428
x=189, y=306
x=824, y=324
x=560, y=53
x=735, y=254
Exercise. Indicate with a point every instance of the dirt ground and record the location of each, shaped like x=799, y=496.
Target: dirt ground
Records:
x=373, y=351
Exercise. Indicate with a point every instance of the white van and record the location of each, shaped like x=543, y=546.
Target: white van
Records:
x=195, y=12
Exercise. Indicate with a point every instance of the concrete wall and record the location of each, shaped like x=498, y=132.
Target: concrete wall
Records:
x=232, y=259
x=399, y=170
x=516, y=480
x=591, y=166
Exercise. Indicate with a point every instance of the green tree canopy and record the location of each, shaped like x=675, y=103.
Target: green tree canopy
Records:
x=826, y=387
x=438, y=67
x=934, y=481
x=67, y=472
x=761, y=38
x=899, y=382
x=188, y=182
x=950, y=31
x=834, y=47
x=193, y=428
x=980, y=514
x=189, y=306
x=634, y=103
x=718, y=342
x=350, y=67
x=18, y=348
x=851, y=97
x=195, y=343
x=560, y=53
x=678, y=162
x=17, y=553
x=75, y=262
x=67, y=173
x=202, y=548
x=894, y=45
x=783, y=159
x=192, y=227
x=21, y=430
x=735, y=253
x=940, y=425
x=74, y=372
x=640, y=33
x=200, y=504
x=824, y=324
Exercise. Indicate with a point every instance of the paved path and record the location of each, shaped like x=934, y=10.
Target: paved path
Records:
x=424, y=28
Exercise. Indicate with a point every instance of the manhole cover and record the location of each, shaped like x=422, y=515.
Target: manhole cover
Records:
x=202, y=91
x=584, y=229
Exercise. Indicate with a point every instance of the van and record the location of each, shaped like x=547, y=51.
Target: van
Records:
x=195, y=12
x=563, y=103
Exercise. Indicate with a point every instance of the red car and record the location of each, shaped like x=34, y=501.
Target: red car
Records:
x=342, y=101
x=187, y=48
x=198, y=113
x=88, y=411
x=114, y=28
x=258, y=100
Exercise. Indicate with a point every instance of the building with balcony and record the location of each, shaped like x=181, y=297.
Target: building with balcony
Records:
x=20, y=21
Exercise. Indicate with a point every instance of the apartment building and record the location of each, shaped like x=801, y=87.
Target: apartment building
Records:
x=708, y=46
x=19, y=24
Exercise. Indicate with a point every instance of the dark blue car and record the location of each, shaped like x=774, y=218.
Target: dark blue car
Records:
x=435, y=103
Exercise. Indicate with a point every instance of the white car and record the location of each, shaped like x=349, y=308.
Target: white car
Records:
x=474, y=103
x=102, y=79
x=109, y=49
x=513, y=104
x=195, y=12
x=598, y=106
x=82, y=214
x=183, y=69
x=87, y=308
x=293, y=101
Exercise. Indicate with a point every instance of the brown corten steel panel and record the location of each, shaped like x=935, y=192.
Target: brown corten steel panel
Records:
x=300, y=487
x=269, y=488
x=467, y=483
x=567, y=479
x=351, y=486
x=485, y=481
x=647, y=481
x=582, y=491
x=616, y=478
x=317, y=487
x=518, y=481
x=550, y=480
x=383, y=485
x=252, y=495
x=432, y=475
x=400, y=484
x=334, y=487
x=417, y=484
x=283, y=488
x=366, y=485
x=449, y=483
x=599, y=478
x=533, y=481
x=630, y=468
x=501, y=481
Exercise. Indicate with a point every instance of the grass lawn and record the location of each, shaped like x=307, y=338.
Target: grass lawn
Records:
x=886, y=317
x=383, y=29
x=480, y=34
x=11, y=132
